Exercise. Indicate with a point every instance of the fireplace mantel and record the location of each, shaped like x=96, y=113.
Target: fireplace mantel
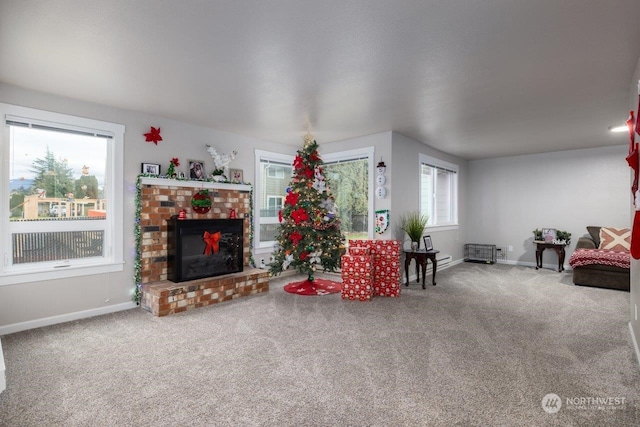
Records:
x=191, y=184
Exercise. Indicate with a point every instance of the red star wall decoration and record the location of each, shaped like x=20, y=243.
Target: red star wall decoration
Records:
x=153, y=135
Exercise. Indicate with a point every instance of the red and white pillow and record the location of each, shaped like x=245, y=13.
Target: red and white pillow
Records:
x=615, y=239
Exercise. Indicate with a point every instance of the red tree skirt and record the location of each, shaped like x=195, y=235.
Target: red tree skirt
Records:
x=315, y=287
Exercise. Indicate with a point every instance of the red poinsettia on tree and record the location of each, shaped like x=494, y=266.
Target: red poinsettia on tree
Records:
x=310, y=236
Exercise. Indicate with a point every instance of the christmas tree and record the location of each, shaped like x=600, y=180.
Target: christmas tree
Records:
x=310, y=236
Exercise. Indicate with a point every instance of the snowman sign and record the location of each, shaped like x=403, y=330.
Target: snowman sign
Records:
x=382, y=221
x=381, y=191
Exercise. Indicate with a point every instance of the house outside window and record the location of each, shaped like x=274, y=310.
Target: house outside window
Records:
x=350, y=178
x=272, y=176
x=274, y=204
x=62, y=176
x=439, y=191
x=276, y=171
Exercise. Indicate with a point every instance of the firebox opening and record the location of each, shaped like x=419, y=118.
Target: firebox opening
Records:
x=194, y=254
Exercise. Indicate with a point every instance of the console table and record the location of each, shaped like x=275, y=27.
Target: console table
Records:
x=541, y=245
x=422, y=258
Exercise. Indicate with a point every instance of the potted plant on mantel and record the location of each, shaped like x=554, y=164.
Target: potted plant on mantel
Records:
x=201, y=202
x=413, y=223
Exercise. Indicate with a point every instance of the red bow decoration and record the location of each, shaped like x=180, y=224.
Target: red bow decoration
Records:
x=631, y=123
x=299, y=215
x=632, y=158
x=295, y=237
x=212, y=241
x=314, y=156
x=153, y=135
x=304, y=255
x=297, y=162
x=638, y=121
x=279, y=216
x=292, y=198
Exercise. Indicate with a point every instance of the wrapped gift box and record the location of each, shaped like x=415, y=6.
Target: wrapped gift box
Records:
x=386, y=263
x=357, y=276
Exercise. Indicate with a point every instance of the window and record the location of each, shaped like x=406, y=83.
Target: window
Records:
x=62, y=176
x=351, y=183
x=273, y=173
x=439, y=191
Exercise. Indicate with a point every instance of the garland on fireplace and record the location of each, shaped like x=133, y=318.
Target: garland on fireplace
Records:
x=137, y=232
x=137, y=266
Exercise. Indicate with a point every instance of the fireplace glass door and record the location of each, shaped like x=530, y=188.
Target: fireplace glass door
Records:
x=200, y=248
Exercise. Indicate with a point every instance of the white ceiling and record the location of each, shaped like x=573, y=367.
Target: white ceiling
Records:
x=474, y=78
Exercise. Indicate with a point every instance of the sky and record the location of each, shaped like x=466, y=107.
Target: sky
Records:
x=77, y=151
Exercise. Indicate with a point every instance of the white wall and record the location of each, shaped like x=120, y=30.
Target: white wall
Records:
x=634, y=305
x=34, y=304
x=404, y=193
x=510, y=197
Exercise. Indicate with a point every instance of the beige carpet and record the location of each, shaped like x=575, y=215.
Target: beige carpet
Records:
x=482, y=348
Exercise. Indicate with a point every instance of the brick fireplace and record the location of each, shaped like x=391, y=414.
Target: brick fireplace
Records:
x=160, y=200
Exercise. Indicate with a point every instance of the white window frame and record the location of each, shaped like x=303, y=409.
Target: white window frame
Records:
x=113, y=259
x=433, y=222
x=358, y=153
x=262, y=155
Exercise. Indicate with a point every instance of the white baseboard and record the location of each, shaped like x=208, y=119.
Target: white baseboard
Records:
x=3, y=378
x=533, y=264
x=412, y=276
x=635, y=343
x=47, y=321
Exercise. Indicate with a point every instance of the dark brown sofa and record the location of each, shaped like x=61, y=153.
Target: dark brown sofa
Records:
x=598, y=275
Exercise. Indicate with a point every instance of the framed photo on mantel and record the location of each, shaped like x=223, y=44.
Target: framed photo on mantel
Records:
x=236, y=176
x=196, y=170
x=150, y=168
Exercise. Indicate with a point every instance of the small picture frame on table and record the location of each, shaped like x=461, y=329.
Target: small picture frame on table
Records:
x=150, y=169
x=196, y=170
x=428, y=246
x=236, y=175
x=548, y=234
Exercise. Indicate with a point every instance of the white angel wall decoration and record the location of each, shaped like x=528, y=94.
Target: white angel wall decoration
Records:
x=221, y=161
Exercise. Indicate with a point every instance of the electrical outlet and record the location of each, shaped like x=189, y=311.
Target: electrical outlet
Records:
x=510, y=248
